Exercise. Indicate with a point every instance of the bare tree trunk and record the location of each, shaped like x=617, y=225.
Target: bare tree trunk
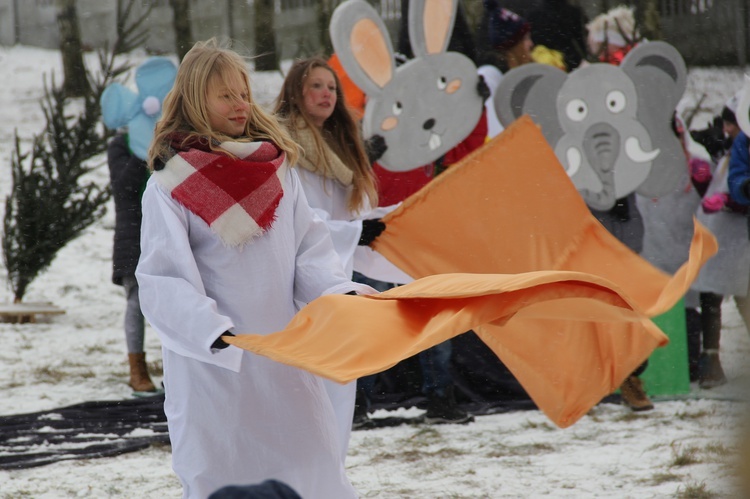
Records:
x=651, y=20
x=325, y=9
x=265, y=39
x=76, y=84
x=183, y=33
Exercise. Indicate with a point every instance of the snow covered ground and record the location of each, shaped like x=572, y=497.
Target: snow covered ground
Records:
x=683, y=448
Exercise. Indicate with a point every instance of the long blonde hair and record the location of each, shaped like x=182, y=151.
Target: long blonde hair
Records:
x=185, y=106
x=340, y=131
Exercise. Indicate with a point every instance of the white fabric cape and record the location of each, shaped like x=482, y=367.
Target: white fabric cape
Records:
x=235, y=417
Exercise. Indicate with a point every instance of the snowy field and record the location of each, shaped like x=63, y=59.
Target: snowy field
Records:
x=683, y=448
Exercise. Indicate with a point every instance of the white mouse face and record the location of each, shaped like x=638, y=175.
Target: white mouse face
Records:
x=431, y=105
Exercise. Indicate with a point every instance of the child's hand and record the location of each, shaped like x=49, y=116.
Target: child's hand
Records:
x=714, y=203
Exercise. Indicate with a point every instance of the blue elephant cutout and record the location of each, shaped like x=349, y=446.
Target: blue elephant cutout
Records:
x=610, y=126
x=121, y=107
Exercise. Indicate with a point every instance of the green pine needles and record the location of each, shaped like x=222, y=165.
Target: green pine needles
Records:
x=51, y=203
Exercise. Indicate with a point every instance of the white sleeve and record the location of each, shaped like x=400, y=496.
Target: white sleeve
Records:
x=319, y=269
x=171, y=291
x=345, y=235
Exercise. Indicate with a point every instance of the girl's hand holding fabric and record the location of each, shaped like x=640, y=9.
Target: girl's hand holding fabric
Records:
x=371, y=229
x=220, y=344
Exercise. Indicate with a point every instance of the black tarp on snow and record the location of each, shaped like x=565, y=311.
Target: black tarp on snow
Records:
x=87, y=430
x=483, y=385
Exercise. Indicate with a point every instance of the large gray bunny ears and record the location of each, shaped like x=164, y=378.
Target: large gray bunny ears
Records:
x=423, y=108
x=610, y=126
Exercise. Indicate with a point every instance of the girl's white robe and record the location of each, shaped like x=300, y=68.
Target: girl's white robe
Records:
x=328, y=198
x=235, y=417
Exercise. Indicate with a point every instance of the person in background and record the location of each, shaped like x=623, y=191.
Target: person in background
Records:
x=559, y=26
x=133, y=115
x=507, y=45
x=128, y=175
x=668, y=231
x=393, y=187
x=229, y=243
x=338, y=181
x=728, y=272
x=612, y=35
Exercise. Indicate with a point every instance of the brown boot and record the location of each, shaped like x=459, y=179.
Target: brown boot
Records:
x=633, y=394
x=139, y=378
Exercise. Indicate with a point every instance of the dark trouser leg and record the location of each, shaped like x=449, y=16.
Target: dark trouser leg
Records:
x=435, y=363
x=694, y=328
x=711, y=320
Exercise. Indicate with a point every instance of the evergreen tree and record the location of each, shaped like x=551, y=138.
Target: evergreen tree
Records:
x=51, y=202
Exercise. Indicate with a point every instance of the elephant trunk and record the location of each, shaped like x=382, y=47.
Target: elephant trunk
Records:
x=601, y=145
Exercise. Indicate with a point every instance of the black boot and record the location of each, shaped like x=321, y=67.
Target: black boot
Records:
x=694, y=332
x=442, y=409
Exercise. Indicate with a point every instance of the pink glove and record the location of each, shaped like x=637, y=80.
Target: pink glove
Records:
x=700, y=170
x=714, y=203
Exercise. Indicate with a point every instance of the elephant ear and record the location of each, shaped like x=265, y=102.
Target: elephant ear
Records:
x=119, y=105
x=660, y=77
x=531, y=89
x=743, y=108
x=155, y=78
x=140, y=134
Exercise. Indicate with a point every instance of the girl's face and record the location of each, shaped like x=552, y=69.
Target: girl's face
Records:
x=228, y=106
x=520, y=53
x=319, y=95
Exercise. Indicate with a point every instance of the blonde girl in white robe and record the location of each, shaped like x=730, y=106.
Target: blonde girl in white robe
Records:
x=214, y=261
x=339, y=183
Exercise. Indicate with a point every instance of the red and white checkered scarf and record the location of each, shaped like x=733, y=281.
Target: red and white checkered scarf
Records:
x=236, y=197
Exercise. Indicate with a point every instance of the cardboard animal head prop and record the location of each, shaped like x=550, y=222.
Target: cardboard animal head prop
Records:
x=743, y=107
x=610, y=126
x=139, y=111
x=424, y=107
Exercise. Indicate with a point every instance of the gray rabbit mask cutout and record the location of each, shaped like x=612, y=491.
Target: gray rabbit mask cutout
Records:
x=610, y=126
x=423, y=108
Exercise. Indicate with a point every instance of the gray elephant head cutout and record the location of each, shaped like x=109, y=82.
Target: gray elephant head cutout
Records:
x=610, y=126
x=423, y=108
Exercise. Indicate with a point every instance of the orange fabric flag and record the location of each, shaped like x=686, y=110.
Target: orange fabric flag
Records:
x=519, y=259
